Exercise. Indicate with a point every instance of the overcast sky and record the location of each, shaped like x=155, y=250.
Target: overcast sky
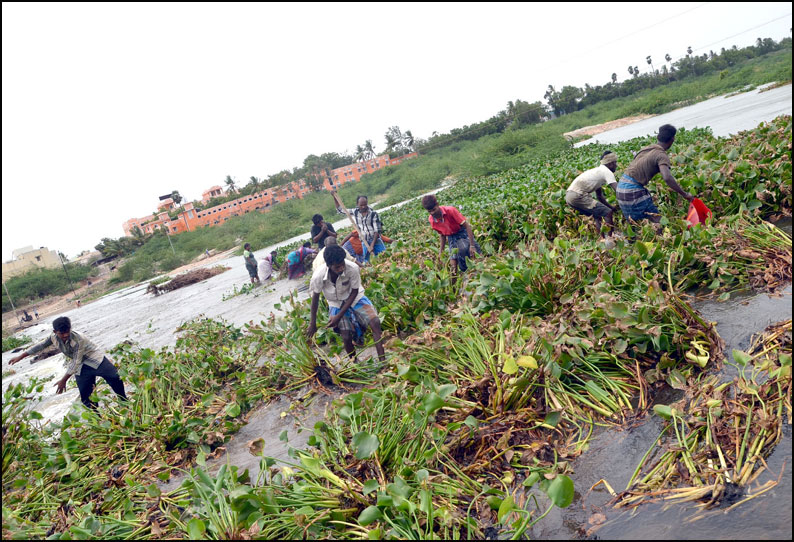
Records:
x=108, y=106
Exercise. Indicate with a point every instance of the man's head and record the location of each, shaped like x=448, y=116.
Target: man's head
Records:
x=362, y=202
x=666, y=136
x=330, y=241
x=62, y=326
x=610, y=160
x=317, y=219
x=307, y=244
x=334, y=257
x=273, y=253
x=247, y=246
x=430, y=204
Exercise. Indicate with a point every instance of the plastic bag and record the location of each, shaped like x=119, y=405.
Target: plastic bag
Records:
x=698, y=213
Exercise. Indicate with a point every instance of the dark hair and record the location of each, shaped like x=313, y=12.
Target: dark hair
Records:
x=666, y=133
x=359, y=198
x=62, y=324
x=429, y=201
x=247, y=245
x=308, y=244
x=328, y=241
x=604, y=153
x=316, y=219
x=334, y=255
x=274, y=251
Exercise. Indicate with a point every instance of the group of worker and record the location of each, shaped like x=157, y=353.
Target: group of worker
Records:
x=337, y=275
x=634, y=199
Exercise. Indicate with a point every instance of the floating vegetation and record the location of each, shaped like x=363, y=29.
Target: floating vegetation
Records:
x=493, y=385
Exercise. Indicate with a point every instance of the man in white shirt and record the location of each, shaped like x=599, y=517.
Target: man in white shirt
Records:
x=319, y=261
x=579, y=193
x=349, y=309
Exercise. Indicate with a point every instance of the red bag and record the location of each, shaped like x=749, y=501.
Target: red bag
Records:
x=698, y=213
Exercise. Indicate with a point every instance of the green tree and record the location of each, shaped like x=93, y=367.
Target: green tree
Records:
x=230, y=184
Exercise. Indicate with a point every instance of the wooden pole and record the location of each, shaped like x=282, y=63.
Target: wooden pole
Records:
x=352, y=220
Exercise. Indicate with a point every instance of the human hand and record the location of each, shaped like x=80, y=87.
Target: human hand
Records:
x=14, y=360
x=311, y=331
x=689, y=197
x=333, y=322
x=60, y=385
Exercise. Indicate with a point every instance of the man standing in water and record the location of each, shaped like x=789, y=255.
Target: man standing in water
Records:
x=634, y=199
x=84, y=360
x=349, y=309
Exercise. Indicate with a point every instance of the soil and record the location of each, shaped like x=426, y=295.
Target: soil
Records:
x=598, y=128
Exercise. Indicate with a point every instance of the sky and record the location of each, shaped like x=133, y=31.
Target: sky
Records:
x=108, y=106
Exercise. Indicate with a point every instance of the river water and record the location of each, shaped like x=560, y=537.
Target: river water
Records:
x=132, y=314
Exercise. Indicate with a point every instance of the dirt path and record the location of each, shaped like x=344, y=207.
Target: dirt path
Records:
x=598, y=128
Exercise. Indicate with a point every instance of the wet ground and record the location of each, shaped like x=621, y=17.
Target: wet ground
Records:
x=614, y=454
x=725, y=116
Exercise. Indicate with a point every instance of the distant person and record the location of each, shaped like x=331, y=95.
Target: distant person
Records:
x=634, y=199
x=207, y=252
x=266, y=265
x=250, y=263
x=78, y=303
x=353, y=245
x=319, y=260
x=453, y=228
x=36, y=313
x=296, y=267
x=368, y=223
x=349, y=309
x=321, y=230
x=579, y=194
x=84, y=360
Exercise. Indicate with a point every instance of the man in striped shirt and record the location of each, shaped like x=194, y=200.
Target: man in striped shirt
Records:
x=84, y=360
x=368, y=223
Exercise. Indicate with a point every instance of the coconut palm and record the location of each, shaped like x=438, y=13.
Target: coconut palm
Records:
x=648, y=60
x=408, y=140
x=369, y=149
x=230, y=183
x=360, y=153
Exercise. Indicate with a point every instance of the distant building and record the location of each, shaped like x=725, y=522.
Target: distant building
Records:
x=189, y=218
x=27, y=258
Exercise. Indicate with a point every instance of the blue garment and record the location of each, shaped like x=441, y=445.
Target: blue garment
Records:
x=460, y=240
x=634, y=199
x=377, y=248
x=356, y=318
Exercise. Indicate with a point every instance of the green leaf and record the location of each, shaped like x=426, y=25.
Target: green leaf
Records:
x=196, y=529
x=664, y=411
x=552, y=419
x=742, y=358
x=432, y=402
x=233, y=410
x=509, y=367
x=369, y=487
x=724, y=297
x=532, y=479
x=365, y=444
x=472, y=422
x=446, y=390
x=560, y=491
x=505, y=508
x=283, y=436
x=153, y=491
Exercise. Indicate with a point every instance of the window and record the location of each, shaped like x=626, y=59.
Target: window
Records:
x=190, y=214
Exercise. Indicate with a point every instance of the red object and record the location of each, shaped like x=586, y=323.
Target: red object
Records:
x=698, y=212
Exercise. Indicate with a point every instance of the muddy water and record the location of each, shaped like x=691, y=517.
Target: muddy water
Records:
x=614, y=454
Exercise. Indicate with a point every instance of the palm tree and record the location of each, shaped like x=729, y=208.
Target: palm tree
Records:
x=369, y=149
x=360, y=153
x=648, y=60
x=631, y=70
x=230, y=183
x=408, y=140
x=391, y=143
x=614, y=78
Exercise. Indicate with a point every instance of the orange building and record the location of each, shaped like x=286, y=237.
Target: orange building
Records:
x=189, y=218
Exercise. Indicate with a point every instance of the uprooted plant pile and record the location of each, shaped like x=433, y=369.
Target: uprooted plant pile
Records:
x=491, y=389
x=186, y=279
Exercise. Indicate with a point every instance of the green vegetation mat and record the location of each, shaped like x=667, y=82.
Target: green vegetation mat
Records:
x=491, y=388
